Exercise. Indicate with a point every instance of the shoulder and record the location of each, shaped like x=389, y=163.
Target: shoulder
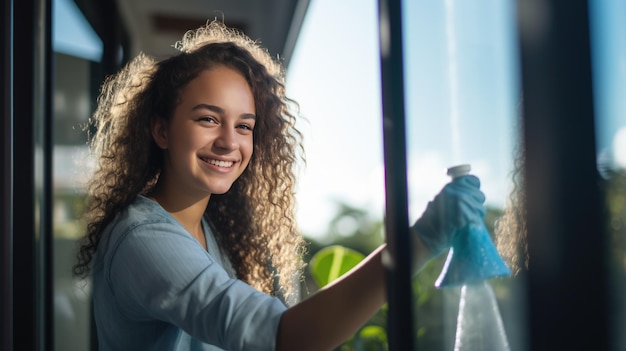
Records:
x=141, y=211
x=145, y=243
x=142, y=221
x=141, y=215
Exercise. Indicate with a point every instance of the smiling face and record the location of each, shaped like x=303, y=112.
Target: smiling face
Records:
x=208, y=141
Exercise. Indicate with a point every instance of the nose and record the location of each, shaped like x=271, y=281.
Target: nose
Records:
x=227, y=139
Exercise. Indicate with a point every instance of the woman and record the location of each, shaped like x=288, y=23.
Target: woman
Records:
x=191, y=240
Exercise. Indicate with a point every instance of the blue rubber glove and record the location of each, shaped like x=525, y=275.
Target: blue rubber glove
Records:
x=459, y=203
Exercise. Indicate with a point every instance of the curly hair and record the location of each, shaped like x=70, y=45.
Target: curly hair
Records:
x=254, y=221
x=510, y=229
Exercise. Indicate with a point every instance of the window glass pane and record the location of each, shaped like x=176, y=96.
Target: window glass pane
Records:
x=77, y=49
x=462, y=100
x=334, y=75
x=73, y=35
x=462, y=107
x=608, y=42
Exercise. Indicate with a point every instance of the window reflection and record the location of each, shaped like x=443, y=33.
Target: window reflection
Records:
x=77, y=48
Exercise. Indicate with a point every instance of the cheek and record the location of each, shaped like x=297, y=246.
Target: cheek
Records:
x=249, y=147
x=184, y=147
x=192, y=138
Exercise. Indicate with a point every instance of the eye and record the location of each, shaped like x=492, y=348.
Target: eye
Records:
x=207, y=119
x=246, y=126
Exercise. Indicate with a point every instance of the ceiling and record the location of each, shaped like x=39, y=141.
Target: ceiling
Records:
x=153, y=26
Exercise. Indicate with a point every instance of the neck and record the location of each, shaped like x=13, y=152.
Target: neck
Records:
x=185, y=208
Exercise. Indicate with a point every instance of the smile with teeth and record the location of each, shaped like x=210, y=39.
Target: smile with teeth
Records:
x=218, y=163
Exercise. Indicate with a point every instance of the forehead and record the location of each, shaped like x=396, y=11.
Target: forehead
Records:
x=218, y=83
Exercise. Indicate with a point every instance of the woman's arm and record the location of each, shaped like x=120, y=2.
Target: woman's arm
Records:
x=334, y=313
x=337, y=311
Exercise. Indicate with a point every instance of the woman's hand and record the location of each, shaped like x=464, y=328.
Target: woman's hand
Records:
x=459, y=203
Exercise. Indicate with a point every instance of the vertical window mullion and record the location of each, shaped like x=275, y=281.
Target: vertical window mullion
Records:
x=23, y=235
x=44, y=135
x=31, y=176
x=567, y=279
x=6, y=190
x=400, y=328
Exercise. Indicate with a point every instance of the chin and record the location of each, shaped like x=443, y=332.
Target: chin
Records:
x=221, y=190
x=218, y=186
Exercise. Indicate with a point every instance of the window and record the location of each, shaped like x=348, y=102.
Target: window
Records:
x=78, y=49
x=466, y=69
x=462, y=106
x=608, y=25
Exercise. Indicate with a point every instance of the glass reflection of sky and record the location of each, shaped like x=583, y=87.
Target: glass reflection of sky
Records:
x=462, y=97
x=461, y=88
x=72, y=34
x=462, y=115
x=608, y=35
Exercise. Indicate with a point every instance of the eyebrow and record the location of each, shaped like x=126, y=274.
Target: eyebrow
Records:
x=220, y=110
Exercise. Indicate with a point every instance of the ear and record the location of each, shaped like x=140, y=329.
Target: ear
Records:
x=159, y=132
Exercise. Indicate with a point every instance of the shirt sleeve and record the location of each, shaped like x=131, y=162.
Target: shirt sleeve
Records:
x=156, y=271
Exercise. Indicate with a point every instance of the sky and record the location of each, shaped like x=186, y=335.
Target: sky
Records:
x=608, y=40
x=461, y=93
x=335, y=76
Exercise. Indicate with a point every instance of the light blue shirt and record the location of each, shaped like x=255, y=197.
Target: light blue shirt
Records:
x=156, y=288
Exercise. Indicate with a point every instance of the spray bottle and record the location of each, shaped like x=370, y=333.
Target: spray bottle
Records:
x=471, y=261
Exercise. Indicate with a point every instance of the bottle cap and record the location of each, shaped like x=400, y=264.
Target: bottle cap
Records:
x=459, y=170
